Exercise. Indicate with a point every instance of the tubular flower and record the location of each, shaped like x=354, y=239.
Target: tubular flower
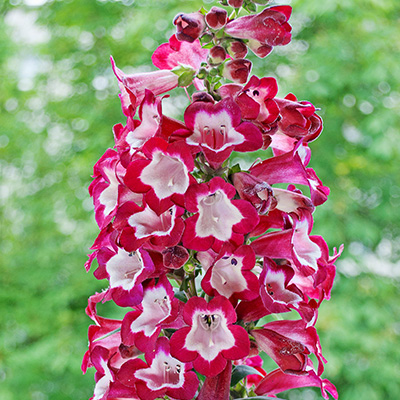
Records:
x=163, y=175
x=268, y=28
x=211, y=338
x=217, y=129
x=230, y=275
x=158, y=309
x=217, y=219
x=160, y=375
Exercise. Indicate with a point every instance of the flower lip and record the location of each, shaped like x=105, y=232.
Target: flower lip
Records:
x=148, y=223
x=209, y=334
x=217, y=216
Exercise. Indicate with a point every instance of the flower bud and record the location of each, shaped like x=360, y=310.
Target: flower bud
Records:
x=259, y=49
x=216, y=55
x=217, y=18
x=189, y=27
x=175, y=257
x=237, y=70
x=202, y=96
x=235, y=3
x=237, y=49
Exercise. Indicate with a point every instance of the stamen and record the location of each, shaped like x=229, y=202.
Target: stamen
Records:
x=234, y=261
x=209, y=321
x=269, y=289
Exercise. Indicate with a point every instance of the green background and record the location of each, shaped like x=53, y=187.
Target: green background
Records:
x=58, y=103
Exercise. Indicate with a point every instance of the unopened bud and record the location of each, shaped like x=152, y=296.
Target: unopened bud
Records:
x=216, y=55
x=217, y=18
x=189, y=27
x=237, y=49
x=235, y=3
x=202, y=73
x=202, y=96
x=237, y=70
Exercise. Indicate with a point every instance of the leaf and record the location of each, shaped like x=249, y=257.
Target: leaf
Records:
x=180, y=295
x=240, y=372
x=234, y=169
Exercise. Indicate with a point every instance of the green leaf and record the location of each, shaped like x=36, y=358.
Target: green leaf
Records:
x=186, y=78
x=240, y=372
x=203, y=11
x=234, y=169
x=180, y=295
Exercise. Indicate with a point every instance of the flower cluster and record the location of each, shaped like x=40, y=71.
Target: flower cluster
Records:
x=204, y=254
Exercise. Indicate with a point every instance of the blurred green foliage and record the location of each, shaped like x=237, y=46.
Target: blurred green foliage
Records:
x=58, y=101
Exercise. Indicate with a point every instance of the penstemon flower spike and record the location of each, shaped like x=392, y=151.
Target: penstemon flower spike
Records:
x=201, y=251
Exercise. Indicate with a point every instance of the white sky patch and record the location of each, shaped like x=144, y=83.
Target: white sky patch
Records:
x=23, y=27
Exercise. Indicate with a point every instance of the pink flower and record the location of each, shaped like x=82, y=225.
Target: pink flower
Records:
x=217, y=219
x=297, y=121
x=237, y=49
x=217, y=55
x=133, y=86
x=175, y=53
x=161, y=375
x=265, y=197
x=268, y=28
x=126, y=271
x=293, y=244
x=289, y=343
x=289, y=168
x=218, y=130
x=107, y=173
x=280, y=294
x=235, y=3
x=211, y=338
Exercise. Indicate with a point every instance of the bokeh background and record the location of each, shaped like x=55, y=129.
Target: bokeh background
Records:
x=58, y=103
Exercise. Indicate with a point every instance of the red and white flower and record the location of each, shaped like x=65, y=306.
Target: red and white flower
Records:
x=230, y=274
x=163, y=175
x=211, y=337
x=158, y=310
x=160, y=375
x=217, y=219
x=217, y=129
